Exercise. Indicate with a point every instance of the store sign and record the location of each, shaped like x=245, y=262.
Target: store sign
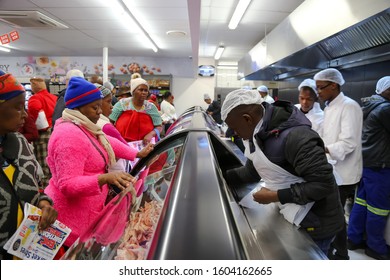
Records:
x=4, y=39
x=14, y=35
x=4, y=67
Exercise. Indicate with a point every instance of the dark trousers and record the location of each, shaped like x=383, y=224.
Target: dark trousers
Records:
x=371, y=209
x=340, y=241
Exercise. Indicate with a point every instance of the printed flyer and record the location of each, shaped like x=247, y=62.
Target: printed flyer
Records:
x=29, y=243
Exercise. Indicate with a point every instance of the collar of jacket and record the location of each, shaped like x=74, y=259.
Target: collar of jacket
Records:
x=10, y=148
x=278, y=117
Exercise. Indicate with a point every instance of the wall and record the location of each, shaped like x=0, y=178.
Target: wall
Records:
x=189, y=92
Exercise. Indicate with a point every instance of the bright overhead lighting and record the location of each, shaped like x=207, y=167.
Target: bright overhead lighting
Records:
x=4, y=49
x=219, y=52
x=238, y=13
x=128, y=9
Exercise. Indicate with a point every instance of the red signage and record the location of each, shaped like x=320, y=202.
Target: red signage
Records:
x=4, y=39
x=14, y=35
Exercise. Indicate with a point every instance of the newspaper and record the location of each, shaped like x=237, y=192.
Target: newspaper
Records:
x=29, y=243
x=138, y=145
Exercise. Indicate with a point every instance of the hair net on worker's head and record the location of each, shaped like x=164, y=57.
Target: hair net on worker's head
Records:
x=206, y=96
x=239, y=97
x=382, y=84
x=309, y=83
x=263, y=88
x=331, y=75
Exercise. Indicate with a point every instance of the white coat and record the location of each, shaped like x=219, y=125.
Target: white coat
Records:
x=268, y=99
x=168, y=111
x=342, y=134
x=315, y=116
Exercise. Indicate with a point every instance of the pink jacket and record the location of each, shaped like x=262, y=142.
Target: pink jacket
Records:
x=75, y=165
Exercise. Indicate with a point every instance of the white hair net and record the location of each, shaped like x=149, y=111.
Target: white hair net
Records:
x=309, y=83
x=262, y=89
x=331, y=75
x=382, y=84
x=206, y=96
x=239, y=97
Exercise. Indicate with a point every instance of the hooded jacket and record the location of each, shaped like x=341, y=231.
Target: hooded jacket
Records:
x=376, y=132
x=287, y=140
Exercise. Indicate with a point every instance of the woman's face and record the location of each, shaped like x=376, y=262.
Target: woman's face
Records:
x=141, y=93
x=107, y=105
x=12, y=114
x=92, y=110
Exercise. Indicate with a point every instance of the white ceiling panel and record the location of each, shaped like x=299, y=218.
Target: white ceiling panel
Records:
x=93, y=24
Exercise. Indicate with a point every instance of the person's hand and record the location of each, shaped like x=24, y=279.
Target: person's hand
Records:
x=145, y=151
x=120, y=179
x=148, y=137
x=210, y=113
x=49, y=214
x=265, y=196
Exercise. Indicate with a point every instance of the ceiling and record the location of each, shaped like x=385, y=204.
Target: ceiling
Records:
x=93, y=24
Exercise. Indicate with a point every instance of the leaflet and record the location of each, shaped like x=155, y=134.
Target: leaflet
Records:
x=29, y=243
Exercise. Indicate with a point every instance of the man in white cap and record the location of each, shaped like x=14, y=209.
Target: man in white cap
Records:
x=308, y=104
x=290, y=157
x=342, y=133
x=214, y=109
x=370, y=212
x=263, y=90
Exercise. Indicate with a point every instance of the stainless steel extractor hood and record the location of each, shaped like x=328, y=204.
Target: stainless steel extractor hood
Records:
x=321, y=34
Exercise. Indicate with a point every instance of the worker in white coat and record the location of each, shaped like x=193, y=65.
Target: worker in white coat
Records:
x=342, y=134
x=263, y=90
x=308, y=104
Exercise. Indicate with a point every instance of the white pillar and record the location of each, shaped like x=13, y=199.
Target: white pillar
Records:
x=105, y=64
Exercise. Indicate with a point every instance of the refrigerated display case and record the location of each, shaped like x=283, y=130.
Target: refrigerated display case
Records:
x=186, y=210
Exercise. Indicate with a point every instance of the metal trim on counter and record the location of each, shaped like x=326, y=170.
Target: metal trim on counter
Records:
x=198, y=223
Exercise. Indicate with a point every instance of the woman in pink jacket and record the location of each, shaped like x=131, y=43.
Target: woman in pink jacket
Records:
x=79, y=155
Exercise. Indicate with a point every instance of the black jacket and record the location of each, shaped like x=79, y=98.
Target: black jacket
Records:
x=60, y=106
x=215, y=108
x=376, y=132
x=288, y=141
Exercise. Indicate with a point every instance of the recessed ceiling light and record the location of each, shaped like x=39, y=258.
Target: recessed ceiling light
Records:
x=176, y=33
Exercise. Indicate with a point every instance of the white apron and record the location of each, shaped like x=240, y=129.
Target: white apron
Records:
x=277, y=178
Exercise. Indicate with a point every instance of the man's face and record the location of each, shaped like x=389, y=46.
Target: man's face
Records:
x=306, y=99
x=326, y=90
x=242, y=124
x=208, y=101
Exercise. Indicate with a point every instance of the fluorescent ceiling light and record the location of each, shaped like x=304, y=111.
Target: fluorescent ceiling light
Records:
x=238, y=13
x=4, y=49
x=219, y=52
x=129, y=9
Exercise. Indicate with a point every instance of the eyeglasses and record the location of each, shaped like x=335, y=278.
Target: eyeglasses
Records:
x=324, y=87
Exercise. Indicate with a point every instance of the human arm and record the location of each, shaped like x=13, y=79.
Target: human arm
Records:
x=34, y=106
x=117, y=110
x=110, y=130
x=243, y=174
x=349, y=138
x=157, y=122
x=124, y=151
x=49, y=214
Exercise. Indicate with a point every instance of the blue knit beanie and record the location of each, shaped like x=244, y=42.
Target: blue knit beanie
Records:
x=80, y=92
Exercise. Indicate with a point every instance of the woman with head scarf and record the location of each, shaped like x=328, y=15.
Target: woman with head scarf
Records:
x=79, y=157
x=135, y=117
x=19, y=168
